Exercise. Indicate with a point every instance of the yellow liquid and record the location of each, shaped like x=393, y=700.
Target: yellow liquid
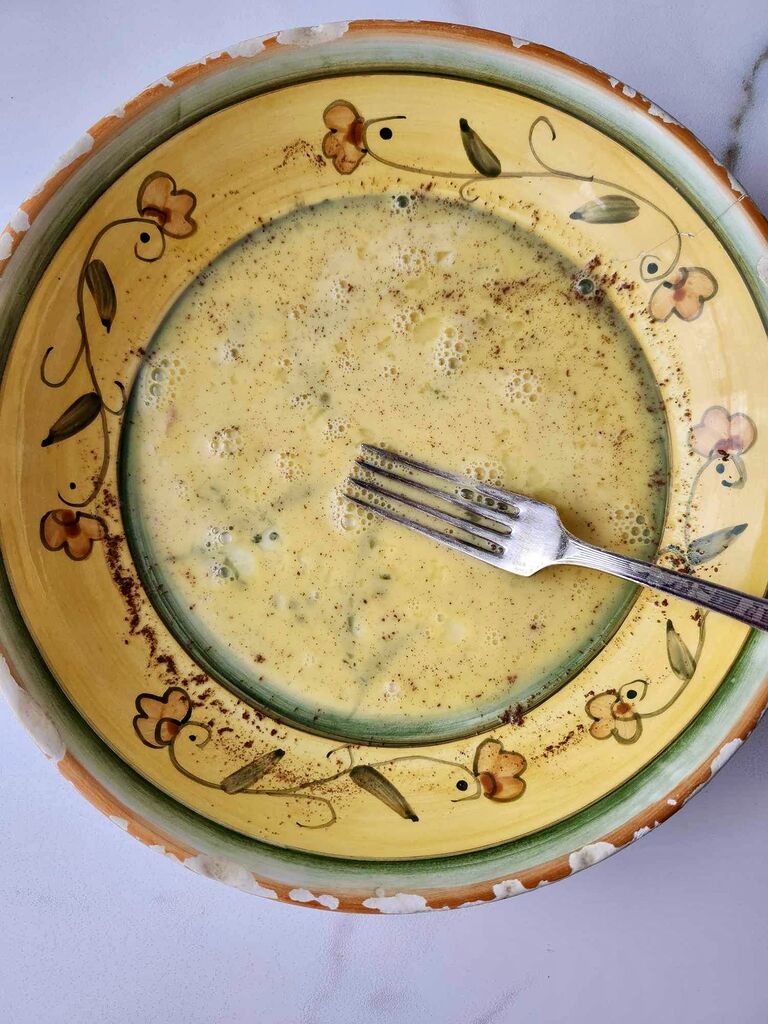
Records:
x=437, y=330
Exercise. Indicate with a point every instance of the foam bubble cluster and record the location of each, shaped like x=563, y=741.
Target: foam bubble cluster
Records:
x=351, y=518
x=221, y=569
x=346, y=361
x=523, y=387
x=217, y=537
x=298, y=312
x=348, y=517
x=160, y=383
x=403, y=203
x=301, y=401
x=493, y=637
x=450, y=351
x=288, y=465
x=410, y=260
x=230, y=352
x=340, y=291
x=631, y=527
x=336, y=427
x=404, y=321
x=485, y=471
x=226, y=441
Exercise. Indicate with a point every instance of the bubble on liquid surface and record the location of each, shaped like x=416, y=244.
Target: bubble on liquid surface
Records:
x=410, y=260
x=225, y=442
x=336, y=427
x=349, y=517
x=217, y=537
x=450, y=351
x=303, y=400
x=485, y=471
x=493, y=637
x=222, y=570
x=340, y=291
x=298, y=312
x=230, y=352
x=523, y=387
x=346, y=361
x=404, y=321
x=404, y=202
x=288, y=465
x=631, y=528
x=160, y=380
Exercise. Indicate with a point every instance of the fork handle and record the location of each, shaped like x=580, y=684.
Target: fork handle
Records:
x=751, y=610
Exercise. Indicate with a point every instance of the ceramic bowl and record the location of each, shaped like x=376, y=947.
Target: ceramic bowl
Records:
x=116, y=692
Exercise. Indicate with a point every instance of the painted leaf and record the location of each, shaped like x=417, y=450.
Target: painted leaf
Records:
x=103, y=291
x=479, y=155
x=75, y=418
x=249, y=773
x=373, y=782
x=607, y=210
x=680, y=658
x=713, y=544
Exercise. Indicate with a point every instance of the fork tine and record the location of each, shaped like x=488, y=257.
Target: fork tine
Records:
x=510, y=497
x=461, y=546
x=475, y=529
x=469, y=506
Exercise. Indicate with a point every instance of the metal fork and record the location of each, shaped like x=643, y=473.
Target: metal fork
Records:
x=520, y=534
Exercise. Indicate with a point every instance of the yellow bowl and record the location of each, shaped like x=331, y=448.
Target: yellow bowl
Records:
x=121, y=697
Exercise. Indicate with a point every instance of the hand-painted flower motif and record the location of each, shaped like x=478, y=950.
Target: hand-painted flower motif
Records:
x=73, y=531
x=343, y=143
x=720, y=433
x=614, y=714
x=159, y=719
x=498, y=771
x=171, y=207
x=684, y=295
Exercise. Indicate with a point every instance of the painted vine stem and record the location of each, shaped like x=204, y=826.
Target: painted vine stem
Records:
x=163, y=211
x=722, y=439
x=166, y=721
x=348, y=141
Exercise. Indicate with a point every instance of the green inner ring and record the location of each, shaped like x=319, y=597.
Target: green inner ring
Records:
x=288, y=704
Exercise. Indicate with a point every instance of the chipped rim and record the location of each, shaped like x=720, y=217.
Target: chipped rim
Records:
x=104, y=153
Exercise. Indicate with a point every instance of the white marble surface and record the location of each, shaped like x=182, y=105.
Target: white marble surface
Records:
x=97, y=928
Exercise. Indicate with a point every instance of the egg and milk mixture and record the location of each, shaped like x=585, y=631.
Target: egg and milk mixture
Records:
x=431, y=328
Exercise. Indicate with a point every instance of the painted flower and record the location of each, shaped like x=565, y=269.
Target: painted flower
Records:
x=343, y=142
x=171, y=207
x=614, y=713
x=721, y=433
x=159, y=719
x=684, y=295
x=498, y=771
x=71, y=530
